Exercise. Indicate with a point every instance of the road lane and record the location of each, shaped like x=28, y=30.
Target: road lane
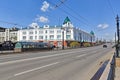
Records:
x=75, y=69
x=67, y=58
x=13, y=57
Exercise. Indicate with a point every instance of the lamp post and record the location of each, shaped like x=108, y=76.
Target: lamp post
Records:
x=91, y=40
x=63, y=39
x=117, y=20
x=63, y=29
x=117, y=47
x=80, y=37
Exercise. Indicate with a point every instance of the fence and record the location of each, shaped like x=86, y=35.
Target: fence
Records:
x=112, y=69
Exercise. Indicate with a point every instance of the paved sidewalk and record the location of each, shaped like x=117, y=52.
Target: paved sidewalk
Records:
x=117, y=73
x=7, y=51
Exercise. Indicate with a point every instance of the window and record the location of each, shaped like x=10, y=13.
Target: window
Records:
x=24, y=33
x=69, y=31
x=52, y=31
x=40, y=32
x=51, y=36
x=68, y=37
x=58, y=36
x=35, y=37
x=31, y=37
x=46, y=37
x=31, y=32
x=58, y=31
x=24, y=37
x=45, y=31
x=40, y=37
x=35, y=32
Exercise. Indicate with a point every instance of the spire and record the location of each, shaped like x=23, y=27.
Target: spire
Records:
x=66, y=20
x=92, y=33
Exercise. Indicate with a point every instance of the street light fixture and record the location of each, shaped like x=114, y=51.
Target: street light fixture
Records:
x=117, y=20
x=62, y=38
x=117, y=46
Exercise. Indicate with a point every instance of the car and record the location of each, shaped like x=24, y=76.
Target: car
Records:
x=104, y=46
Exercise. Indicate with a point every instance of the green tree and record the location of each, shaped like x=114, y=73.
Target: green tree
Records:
x=74, y=44
x=86, y=44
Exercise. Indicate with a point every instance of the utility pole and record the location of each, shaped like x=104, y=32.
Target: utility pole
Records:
x=63, y=39
x=115, y=37
x=117, y=20
x=91, y=40
x=117, y=46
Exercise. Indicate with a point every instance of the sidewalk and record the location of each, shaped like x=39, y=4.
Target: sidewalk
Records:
x=7, y=51
x=117, y=73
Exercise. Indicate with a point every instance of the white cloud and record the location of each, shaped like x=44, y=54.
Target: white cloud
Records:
x=103, y=26
x=107, y=34
x=42, y=19
x=33, y=24
x=45, y=6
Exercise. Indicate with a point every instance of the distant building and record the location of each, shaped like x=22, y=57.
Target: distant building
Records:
x=47, y=33
x=8, y=34
x=53, y=34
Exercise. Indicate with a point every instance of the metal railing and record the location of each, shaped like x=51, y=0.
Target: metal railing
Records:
x=112, y=69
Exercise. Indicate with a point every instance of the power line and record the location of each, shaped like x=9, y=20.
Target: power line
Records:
x=8, y=22
x=12, y=23
x=67, y=12
x=112, y=9
x=75, y=12
x=62, y=2
x=59, y=4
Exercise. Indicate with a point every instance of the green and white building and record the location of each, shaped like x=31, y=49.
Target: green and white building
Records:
x=54, y=34
x=47, y=33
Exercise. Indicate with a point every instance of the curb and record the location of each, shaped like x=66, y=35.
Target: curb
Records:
x=105, y=74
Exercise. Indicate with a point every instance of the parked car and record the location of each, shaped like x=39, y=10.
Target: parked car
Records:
x=104, y=46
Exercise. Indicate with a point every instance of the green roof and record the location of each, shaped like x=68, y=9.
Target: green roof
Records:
x=92, y=33
x=66, y=20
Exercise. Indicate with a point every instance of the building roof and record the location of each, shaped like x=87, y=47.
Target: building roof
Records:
x=50, y=27
x=2, y=29
x=14, y=29
x=66, y=20
x=92, y=33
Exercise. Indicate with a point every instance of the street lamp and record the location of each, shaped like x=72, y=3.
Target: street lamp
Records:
x=62, y=38
x=80, y=38
x=117, y=20
x=117, y=46
x=91, y=40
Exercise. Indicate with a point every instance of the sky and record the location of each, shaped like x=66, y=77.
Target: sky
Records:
x=98, y=16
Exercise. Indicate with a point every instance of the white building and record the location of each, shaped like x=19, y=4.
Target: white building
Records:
x=8, y=34
x=54, y=34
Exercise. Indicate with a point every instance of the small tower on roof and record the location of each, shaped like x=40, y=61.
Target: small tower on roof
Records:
x=67, y=22
x=92, y=33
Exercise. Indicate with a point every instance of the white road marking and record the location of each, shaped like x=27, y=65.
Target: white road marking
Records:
x=38, y=68
x=81, y=55
x=94, y=51
x=11, y=62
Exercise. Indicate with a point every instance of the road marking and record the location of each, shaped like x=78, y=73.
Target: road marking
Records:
x=31, y=70
x=11, y=62
x=94, y=51
x=81, y=55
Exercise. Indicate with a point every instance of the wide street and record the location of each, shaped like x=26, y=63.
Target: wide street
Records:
x=70, y=64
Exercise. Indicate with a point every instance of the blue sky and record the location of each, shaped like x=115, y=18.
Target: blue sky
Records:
x=96, y=15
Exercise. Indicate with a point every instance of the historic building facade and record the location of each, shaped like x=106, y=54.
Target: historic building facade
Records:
x=8, y=34
x=56, y=35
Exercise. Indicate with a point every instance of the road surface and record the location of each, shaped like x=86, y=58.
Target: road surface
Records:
x=70, y=64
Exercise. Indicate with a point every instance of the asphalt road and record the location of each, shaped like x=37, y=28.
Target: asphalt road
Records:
x=70, y=64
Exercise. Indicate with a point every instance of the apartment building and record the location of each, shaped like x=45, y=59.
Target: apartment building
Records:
x=8, y=34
